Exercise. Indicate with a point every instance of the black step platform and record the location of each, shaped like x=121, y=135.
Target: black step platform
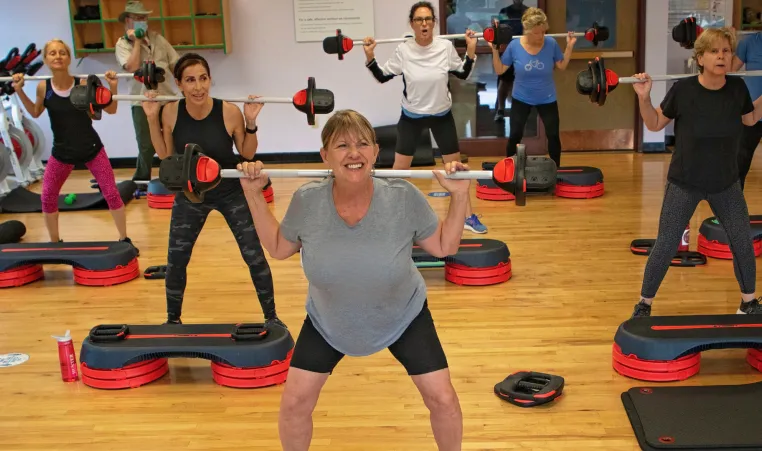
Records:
x=21, y=200
x=93, y=263
x=242, y=355
x=579, y=182
x=158, y=196
x=477, y=262
x=713, y=242
x=696, y=418
x=668, y=348
x=487, y=189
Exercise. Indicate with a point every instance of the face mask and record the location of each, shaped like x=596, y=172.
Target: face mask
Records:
x=143, y=26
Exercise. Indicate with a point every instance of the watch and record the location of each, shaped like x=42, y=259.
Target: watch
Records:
x=252, y=130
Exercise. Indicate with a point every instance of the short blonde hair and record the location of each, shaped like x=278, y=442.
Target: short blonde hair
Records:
x=533, y=17
x=347, y=122
x=54, y=41
x=709, y=37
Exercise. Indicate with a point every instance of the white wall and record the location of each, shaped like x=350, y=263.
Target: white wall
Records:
x=657, y=12
x=266, y=60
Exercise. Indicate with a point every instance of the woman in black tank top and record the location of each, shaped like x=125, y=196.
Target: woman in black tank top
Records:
x=75, y=141
x=215, y=126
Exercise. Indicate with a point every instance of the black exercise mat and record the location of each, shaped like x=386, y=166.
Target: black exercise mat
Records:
x=704, y=418
x=21, y=200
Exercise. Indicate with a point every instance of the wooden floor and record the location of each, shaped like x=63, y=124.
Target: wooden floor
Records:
x=574, y=281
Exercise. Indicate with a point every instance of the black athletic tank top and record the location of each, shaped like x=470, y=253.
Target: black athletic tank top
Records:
x=74, y=138
x=209, y=133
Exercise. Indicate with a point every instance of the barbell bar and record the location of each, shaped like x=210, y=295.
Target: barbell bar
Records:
x=93, y=97
x=194, y=173
x=496, y=34
x=597, y=82
x=48, y=77
x=381, y=173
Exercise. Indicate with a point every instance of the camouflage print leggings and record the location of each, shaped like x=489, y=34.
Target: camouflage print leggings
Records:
x=187, y=221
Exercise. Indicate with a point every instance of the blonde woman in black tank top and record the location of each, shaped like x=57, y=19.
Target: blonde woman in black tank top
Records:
x=216, y=126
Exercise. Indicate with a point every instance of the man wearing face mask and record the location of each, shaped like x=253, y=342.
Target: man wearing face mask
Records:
x=138, y=44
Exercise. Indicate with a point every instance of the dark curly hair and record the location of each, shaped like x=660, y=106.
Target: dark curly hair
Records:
x=423, y=5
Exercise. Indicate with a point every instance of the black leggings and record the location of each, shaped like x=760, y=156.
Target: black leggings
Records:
x=729, y=206
x=443, y=128
x=751, y=137
x=549, y=114
x=187, y=221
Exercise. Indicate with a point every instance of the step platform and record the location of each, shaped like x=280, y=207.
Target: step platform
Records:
x=93, y=264
x=242, y=355
x=713, y=242
x=579, y=182
x=643, y=247
x=478, y=262
x=668, y=348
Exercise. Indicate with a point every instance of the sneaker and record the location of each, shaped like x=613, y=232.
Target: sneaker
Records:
x=641, y=309
x=276, y=321
x=474, y=225
x=499, y=116
x=169, y=321
x=127, y=240
x=750, y=308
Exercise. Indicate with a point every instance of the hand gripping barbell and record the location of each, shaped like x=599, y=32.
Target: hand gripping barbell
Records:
x=194, y=173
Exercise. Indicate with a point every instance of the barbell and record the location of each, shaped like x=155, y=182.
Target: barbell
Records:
x=597, y=82
x=148, y=74
x=194, y=173
x=497, y=34
x=94, y=97
x=688, y=30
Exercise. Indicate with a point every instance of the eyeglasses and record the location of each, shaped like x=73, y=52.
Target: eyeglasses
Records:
x=420, y=20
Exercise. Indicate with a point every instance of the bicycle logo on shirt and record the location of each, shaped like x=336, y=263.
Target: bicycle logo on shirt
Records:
x=534, y=64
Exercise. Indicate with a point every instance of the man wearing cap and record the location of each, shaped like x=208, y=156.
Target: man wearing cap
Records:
x=137, y=45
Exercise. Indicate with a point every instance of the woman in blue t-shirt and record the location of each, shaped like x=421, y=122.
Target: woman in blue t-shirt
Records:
x=533, y=57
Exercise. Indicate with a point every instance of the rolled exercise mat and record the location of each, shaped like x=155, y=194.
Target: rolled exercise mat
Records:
x=11, y=231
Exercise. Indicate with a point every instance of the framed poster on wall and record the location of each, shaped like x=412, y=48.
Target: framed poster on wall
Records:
x=315, y=20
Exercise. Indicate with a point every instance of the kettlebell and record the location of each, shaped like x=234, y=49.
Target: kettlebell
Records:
x=70, y=198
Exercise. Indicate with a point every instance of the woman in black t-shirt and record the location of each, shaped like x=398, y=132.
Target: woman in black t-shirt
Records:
x=710, y=111
x=215, y=126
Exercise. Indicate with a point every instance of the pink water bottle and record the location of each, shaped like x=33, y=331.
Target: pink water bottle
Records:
x=67, y=358
x=686, y=240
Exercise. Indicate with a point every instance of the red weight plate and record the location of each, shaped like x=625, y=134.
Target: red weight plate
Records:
x=126, y=383
x=120, y=274
x=656, y=376
x=128, y=372
x=468, y=271
x=754, y=358
x=655, y=366
x=22, y=275
x=274, y=368
x=250, y=383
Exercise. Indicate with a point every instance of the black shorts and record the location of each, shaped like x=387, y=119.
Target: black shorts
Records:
x=418, y=349
x=409, y=131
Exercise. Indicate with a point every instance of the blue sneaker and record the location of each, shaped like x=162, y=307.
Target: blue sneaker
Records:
x=473, y=224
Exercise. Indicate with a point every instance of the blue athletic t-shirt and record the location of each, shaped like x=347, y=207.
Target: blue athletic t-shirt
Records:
x=534, y=83
x=750, y=52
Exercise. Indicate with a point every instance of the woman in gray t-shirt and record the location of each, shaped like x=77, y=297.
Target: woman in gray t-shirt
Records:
x=356, y=233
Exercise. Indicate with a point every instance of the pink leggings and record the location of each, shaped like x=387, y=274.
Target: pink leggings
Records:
x=56, y=174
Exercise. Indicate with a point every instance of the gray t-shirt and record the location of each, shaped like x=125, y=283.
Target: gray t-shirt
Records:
x=364, y=289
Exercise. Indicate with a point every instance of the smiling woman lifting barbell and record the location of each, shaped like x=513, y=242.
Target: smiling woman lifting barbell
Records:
x=710, y=110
